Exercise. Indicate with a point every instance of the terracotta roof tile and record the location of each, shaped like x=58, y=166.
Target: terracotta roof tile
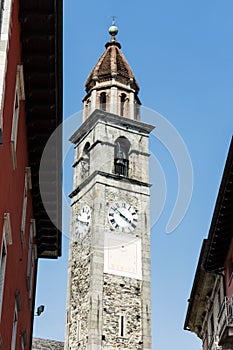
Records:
x=112, y=61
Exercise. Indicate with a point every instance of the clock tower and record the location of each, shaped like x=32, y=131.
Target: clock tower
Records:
x=108, y=297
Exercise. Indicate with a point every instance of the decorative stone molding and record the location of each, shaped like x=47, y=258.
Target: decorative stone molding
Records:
x=118, y=195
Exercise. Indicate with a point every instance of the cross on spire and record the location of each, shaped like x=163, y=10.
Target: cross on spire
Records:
x=113, y=20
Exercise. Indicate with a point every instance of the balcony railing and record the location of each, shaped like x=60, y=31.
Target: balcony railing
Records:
x=225, y=321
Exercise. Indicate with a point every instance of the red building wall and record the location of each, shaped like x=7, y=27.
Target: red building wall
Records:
x=11, y=201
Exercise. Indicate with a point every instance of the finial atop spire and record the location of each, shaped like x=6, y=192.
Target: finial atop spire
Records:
x=113, y=30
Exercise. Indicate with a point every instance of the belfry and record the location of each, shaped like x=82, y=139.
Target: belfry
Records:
x=111, y=86
x=108, y=295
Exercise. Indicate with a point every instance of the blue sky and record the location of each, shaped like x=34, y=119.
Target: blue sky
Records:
x=182, y=56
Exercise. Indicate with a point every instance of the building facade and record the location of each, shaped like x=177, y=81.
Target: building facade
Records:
x=30, y=109
x=210, y=310
x=108, y=297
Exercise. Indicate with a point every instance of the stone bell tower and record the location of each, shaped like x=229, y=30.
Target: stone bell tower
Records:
x=108, y=296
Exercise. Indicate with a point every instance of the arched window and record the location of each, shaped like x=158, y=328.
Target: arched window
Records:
x=88, y=108
x=103, y=100
x=123, y=101
x=85, y=161
x=137, y=111
x=121, y=156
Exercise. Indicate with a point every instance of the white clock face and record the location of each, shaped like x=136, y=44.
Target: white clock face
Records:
x=83, y=220
x=123, y=217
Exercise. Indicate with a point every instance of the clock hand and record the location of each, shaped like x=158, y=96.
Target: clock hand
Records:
x=130, y=222
x=123, y=216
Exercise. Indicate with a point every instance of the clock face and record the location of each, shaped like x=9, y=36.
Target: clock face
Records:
x=83, y=220
x=123, y=217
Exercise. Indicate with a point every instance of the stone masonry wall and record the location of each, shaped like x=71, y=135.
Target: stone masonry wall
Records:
x=79, y=298
x=122, y=295
x=46, y=344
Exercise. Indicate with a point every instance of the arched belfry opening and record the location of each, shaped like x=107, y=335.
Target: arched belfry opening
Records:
x=85, y=161
x=123, y=105
x=103, y=101
x=121, y=156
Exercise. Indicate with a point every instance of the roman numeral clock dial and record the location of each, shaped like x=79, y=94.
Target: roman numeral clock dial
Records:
x=123, y=217
x=83, y=221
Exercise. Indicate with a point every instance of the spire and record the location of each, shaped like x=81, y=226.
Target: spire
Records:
x=113, y=77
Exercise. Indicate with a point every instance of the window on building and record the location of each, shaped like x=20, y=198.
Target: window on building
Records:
x=85, y=161
x=29, y=177
x=31, y=258
x=103, y=101
x=123, y=105
x=14, y=330
x=121, y=155
x=88, y=108
x=19, y=95
x=137, y=111
x=7, y=228
x=18, y=300
x=219, y=300
x=14, y=129
x=78, y=329
x=212, y=325
x=122, y=325
x=20, y=82
x=24, y=210
x=2, y=269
